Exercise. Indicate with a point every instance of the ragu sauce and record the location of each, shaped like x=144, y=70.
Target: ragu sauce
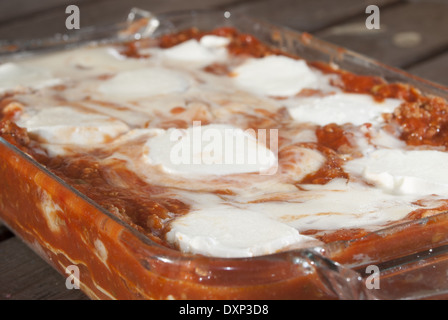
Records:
x=123, y=176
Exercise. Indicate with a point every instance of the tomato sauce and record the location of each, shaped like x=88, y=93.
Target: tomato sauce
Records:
x=421, y=121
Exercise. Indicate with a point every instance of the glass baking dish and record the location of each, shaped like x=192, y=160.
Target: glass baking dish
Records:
x=116, y=261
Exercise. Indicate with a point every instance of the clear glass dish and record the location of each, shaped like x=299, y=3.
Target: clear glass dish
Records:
x=117, y=262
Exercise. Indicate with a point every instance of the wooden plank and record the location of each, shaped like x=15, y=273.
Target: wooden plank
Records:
x=409, y=33
x=435, y=69
x=306, y=15
x=24, y=275
x=95, y=13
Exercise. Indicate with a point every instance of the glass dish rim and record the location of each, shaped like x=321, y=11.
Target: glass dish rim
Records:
x=58, y=43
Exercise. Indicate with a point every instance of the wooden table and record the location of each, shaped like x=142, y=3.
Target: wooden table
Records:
x=412, y=36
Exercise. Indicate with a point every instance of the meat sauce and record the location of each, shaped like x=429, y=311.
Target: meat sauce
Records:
x=420, y=120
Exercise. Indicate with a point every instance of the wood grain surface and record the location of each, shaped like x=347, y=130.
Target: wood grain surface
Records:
x=25, y=277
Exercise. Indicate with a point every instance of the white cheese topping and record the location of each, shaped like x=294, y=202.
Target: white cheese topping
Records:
x=209, y=49
x=340, y=108
x=66, y=125
x=102, y=60
x=404, y=172
x=227, y=231
x=338, y=205
x=16, y=77
x=83, y=63
x=209, y=150
x=144, y=82
x=256, y=214
x=212, y=41
x=275, y=76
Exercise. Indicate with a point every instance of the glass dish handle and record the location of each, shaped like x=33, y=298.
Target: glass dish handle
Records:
x=334, y=279
x=420, y=276
x=139, y=24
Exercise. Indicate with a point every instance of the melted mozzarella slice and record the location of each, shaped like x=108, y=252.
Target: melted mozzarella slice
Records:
x=275, y=76
x=340, y=108
x=144, y=82
x=16, y=77
x=205, y=51
x=212, y=41
x=66, y=125
x=231, y=232
x=338, y=205
x=101, y=60
x=209, y=150
x=404, y=172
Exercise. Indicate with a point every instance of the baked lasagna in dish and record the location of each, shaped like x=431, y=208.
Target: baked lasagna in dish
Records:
x=215, y=144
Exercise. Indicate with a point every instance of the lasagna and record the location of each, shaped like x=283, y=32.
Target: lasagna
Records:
x=215, y=144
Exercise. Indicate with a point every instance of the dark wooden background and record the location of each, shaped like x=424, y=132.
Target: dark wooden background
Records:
x=413, y=36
